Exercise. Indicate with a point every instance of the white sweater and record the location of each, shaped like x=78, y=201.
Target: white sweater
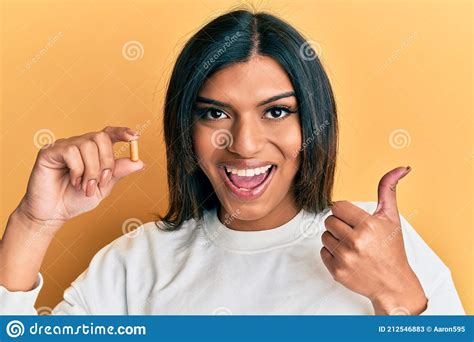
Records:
x=207, y=268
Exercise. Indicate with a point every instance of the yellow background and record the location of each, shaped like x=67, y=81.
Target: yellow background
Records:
x=403, y=65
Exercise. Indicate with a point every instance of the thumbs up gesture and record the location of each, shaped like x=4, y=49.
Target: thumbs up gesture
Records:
x=365, y=252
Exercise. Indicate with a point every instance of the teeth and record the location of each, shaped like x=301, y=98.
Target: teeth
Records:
x=248, y=172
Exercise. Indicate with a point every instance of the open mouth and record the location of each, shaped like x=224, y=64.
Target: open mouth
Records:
x=248, y=185
x=248, y=182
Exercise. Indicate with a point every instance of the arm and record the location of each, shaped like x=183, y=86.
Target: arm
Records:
x=70, y=177
x=22, y=251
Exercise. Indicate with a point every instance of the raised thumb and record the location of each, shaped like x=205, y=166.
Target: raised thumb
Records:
x=387, y=197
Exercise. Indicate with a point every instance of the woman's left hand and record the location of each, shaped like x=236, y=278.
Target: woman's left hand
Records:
x=366, y=254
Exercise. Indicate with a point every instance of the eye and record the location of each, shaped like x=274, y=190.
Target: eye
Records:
x=279, y=112
x=210, y=113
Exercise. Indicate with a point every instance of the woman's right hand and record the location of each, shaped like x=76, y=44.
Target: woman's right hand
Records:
x=74, y=175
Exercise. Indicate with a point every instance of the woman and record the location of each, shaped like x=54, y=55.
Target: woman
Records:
x=251, y=134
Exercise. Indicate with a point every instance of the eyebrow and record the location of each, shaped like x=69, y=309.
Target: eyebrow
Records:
x=226, y=105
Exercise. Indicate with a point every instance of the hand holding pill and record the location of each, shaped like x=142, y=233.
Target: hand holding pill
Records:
x=75, y=174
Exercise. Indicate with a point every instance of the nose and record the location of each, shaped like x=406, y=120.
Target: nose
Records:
x=248, y=138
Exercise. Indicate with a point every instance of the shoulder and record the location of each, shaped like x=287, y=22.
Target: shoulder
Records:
x=147, y=239
x=137, y=249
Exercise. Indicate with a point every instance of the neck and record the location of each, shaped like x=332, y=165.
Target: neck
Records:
x=278, y=216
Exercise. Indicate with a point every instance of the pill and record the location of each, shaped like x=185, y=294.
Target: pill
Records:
x=133, y=150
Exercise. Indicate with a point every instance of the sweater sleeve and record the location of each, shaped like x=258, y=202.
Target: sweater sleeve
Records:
x=20, y=302
x=23, y=302
x=444, y=299
x=435, y=277
x=100, y=289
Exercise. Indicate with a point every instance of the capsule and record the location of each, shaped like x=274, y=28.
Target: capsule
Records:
x=133, y=150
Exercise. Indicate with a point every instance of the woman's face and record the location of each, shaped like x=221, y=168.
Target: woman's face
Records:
x=246, y=121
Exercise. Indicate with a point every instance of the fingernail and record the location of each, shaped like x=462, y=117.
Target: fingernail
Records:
x=143, y=168
x=90, y=187
x=132, y=132
x=78, y=183
x=407, y=171
x=103, y=177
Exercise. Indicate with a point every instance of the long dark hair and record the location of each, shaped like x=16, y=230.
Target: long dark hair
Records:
x=232, y=38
